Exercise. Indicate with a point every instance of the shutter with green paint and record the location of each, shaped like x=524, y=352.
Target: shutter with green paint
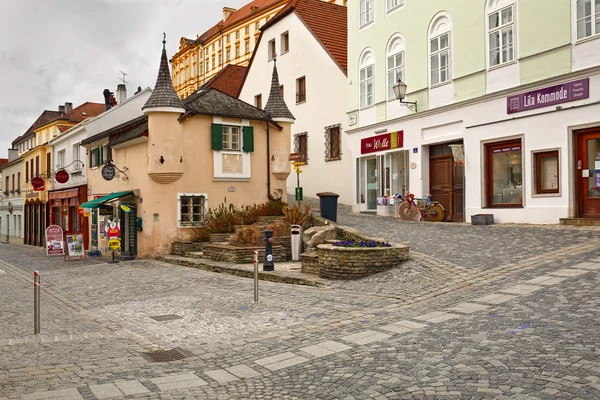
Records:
x=217, y=136
x=248, y=138
x=97, y=156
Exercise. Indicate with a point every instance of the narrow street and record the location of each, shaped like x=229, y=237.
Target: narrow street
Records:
x=477, y=312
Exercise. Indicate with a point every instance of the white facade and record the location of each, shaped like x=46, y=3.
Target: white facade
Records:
x=11, y=205
x=480, y=122
x=66, y=148
x=324, y=106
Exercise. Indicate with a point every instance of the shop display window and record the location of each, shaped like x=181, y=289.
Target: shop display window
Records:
x=504, y=164
x=547, y=172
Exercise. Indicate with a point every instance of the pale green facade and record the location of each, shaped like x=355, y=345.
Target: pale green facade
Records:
x=543, y=38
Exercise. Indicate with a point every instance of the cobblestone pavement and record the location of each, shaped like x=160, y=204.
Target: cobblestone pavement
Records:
x=469, y=318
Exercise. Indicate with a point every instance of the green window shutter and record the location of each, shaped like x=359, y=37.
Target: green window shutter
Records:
x=217, y=136
x=248, y=139
x=97, y=156
x=109, y=153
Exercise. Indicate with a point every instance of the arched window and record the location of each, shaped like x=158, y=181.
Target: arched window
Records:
x=440, y=49
x=395, y=63
x=366, y=74
x=501, y=32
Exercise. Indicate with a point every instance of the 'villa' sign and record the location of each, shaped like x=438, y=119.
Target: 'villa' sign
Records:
x=571, y=91
x=388, y=141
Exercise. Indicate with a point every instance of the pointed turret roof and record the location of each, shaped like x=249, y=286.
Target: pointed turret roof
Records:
x=276, y=107
x=164, y=95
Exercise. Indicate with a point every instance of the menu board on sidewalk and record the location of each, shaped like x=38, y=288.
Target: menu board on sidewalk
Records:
x=75, y=245
x=54, y=241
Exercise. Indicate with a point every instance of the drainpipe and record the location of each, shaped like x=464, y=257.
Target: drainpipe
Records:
x=268, y=161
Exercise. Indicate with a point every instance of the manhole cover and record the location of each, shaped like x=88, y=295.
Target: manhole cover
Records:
x=166, y=317
x=167, y=355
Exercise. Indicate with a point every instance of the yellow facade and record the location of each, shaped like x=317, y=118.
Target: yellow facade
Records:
x=197, y=61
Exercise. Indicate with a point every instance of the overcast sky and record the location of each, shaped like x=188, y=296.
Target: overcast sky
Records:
x=57, y=51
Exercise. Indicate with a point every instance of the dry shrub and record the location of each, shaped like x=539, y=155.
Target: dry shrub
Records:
x=250, y=235
x=201, y=234
x=280, y=228
x=297, y=215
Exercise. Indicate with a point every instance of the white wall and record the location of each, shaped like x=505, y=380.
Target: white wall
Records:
x=128, y=110
x=326, y=87
x=540, y=129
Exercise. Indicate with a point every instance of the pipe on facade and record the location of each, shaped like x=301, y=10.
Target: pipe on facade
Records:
x=268, y=161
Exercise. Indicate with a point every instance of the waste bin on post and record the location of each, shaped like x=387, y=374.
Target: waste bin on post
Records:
x=328, y=201
x=296, y=242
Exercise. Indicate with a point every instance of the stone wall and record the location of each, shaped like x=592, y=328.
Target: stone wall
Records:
x=286, y=243
x=357, y=262
x=220, y=237
x=181, y=248
x=310, y=263
x=240, y=255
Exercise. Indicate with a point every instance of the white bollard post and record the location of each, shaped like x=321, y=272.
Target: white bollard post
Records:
x=36, y=302
x=255, y=276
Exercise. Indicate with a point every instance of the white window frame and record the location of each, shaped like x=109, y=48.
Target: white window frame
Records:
x=366, y=10
x=499, y=30
x=228, y=136
x=77, y=152
x=438, y=55
x=191, y=195
x=593, y=17
x=283, y=41
x=395, y=47
x=60, y=156
x=392, y=5
x=367, y=63
x=271, y=49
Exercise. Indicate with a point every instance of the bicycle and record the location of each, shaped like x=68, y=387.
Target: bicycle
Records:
x=429, y=210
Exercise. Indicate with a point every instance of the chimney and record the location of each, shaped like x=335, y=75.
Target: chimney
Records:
x=253, y=9
x=227, y=11
x=121, y=93
x=107, y=95
x=61, y=109
x=68, y=107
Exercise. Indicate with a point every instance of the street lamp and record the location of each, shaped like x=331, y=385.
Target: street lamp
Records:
x=400, y=92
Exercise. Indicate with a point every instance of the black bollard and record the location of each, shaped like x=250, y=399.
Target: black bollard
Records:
x=268, y=264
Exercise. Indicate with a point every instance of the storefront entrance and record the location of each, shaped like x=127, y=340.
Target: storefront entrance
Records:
x=446, y=182
x=381, y=176
x=588, y=173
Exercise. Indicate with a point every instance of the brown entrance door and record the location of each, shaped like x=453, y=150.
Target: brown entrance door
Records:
x=446, y=182
x=588, y=173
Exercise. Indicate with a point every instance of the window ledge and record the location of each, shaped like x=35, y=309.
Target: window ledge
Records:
x=391, y=10
x=506, y=64
x=334, y=159
x=365, y=25
x=366, y=107
x=301, y=102
x=284, y=52
x=437, y=85
x=535, y=195
x=587, y=39
x=230, y=179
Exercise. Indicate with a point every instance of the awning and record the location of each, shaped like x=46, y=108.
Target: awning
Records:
x=99, y=201
x=64, y=194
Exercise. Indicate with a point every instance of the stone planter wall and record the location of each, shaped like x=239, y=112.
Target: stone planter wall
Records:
x=240, y=255
x=265, y=221
x=310, y=263
x=357, y=262
x=181, y=248
x=220, y=237
x=286, y=243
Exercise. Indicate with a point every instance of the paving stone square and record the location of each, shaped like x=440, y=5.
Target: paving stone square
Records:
x=243, y=371
x=365, y=337
x=436, y=316
x=521, y=289
x=467, y=308
x=220, y=375
x=495, y=298
x=546, y=280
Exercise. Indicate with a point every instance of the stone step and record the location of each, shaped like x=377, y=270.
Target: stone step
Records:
x=580, y=221
x=195, y=254
x=284, y=272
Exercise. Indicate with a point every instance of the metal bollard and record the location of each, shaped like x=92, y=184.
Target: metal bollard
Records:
x=255, y=276
x=268, y=264
x=36, y=302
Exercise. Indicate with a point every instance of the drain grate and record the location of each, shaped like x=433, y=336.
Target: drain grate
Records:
x=166, y=317
x=167, y=355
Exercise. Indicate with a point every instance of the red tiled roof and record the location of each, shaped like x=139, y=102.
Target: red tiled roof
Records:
x=327, y=21
x=81, y=113
x=45, y=117
x=3, y=161
x=239, y=15
x=229, y=80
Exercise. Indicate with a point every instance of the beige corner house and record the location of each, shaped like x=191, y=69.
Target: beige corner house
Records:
x=166, y=168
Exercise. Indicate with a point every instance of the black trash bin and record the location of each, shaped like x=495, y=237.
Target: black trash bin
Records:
x=328, y=202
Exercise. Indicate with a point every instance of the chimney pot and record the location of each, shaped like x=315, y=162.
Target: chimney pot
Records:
x=121, y=93
x=61, y=109
x=107, y=95
x=68, y=107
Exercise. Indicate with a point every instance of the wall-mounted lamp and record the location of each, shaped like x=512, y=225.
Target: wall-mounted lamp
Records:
x=400, y=92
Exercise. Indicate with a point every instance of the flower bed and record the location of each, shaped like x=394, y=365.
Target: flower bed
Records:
x=361, y=243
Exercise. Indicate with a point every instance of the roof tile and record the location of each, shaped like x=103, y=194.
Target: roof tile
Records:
x=229, y=80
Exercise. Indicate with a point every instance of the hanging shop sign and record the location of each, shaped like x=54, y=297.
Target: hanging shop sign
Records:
x=564, y=93
x=387, y=141
x=108, y=172
x=61, y=176
x=54, y=241
x=37, y=183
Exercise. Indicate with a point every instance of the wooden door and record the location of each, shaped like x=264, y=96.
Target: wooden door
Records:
x=440, y=182
x=588, y=174
x=458, y=193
